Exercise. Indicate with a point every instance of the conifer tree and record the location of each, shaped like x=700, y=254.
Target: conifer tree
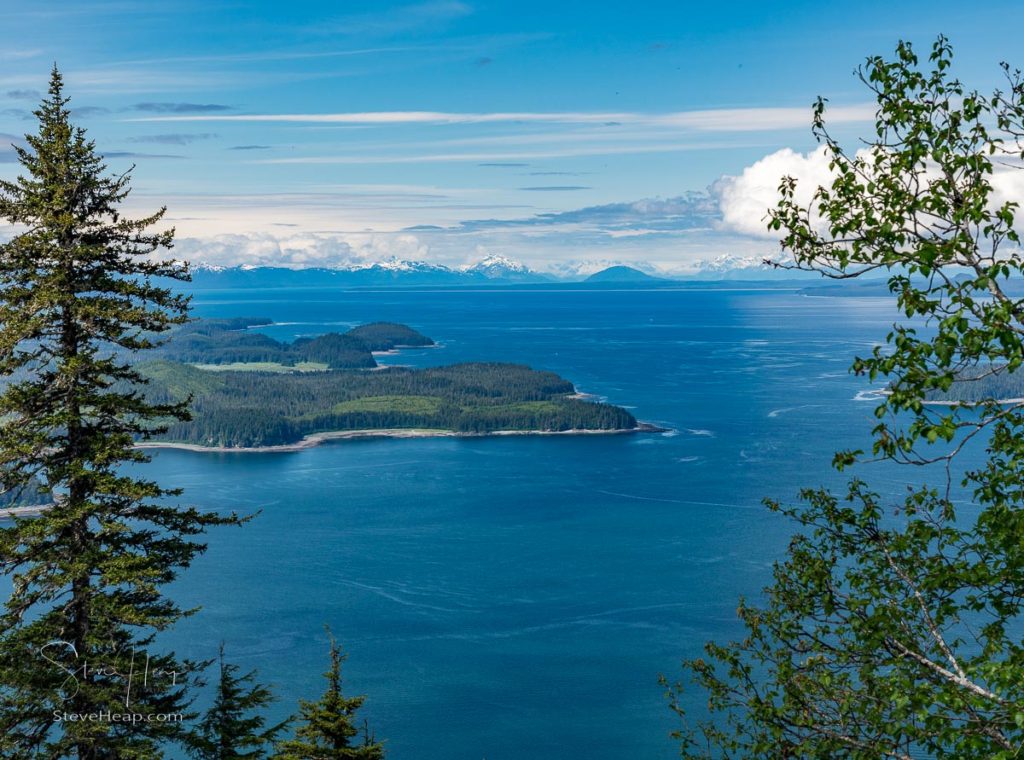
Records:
x=328, y=730
x=79, y=295
x=233, y=728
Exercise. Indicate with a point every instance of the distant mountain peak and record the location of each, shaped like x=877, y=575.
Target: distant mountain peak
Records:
x=395, y=264
x=495, y=266
x=621, y=273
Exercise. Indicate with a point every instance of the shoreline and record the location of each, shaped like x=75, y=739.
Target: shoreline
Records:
x=872, y=395
x=397, y=349
x=315, y=439
x=33, y=510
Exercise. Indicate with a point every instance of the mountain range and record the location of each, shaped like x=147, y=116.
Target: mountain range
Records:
x=492, y=270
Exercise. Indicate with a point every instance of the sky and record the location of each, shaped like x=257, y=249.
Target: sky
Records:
x=566, y=135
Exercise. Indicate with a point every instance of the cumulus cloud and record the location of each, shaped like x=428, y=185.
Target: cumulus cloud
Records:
x=295, y=251
x=301, y=250
x=746, y=199
x=1008, y=185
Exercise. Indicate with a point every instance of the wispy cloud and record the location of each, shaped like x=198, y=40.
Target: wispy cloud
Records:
x=281, y=55
x=714, y=120
x=684, y=212
x=7, y=153
x=441, y=158
x=25, y=94
x=40, y=10
x=179, y=108
x=86, y=112
x=118, y=81
x=174, y=138
x=503, y=164
x=132, y=154
x=554, y=188
x=15, y=54
x=249, y=147
x=403, y=19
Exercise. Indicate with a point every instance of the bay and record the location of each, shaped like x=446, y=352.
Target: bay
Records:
x=518, y=597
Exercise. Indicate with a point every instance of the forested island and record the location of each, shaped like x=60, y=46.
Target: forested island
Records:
x=224, y=343
x=981, y=384
x=248, y=390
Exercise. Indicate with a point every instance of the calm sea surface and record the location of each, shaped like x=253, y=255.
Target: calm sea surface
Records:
x=516, y=598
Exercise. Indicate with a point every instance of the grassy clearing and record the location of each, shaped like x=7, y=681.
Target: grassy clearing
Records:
x=264, y=367
x=404, y=404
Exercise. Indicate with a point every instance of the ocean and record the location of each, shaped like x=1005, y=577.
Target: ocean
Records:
x=518, y=597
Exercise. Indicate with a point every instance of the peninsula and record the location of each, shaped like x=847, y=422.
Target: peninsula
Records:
x=250, y=392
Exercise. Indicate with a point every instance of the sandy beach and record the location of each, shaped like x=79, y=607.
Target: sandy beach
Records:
x=340, y=435
x=32, y=511
x=316, y=439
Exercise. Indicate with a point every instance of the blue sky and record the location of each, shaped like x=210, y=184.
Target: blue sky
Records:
x=563, y=134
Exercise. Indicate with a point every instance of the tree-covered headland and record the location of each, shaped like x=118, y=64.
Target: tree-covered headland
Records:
x=242, y=394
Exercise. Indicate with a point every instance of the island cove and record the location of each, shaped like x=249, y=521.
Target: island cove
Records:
x=252, y=393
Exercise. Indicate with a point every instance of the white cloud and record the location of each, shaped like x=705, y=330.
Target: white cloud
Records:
x=394, y=21
x=527, y=155
x=713, y=120
x=746, y=200
x=1008, y=185
x=11, y=54
x=301, y=250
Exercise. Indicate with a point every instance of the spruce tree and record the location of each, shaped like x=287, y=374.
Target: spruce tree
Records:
x=329, y=731
x=80, y=294
x=233, y=728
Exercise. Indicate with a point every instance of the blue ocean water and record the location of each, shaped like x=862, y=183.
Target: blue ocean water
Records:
x=518, y=597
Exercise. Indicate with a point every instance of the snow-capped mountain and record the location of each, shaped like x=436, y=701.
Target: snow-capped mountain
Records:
x=731, y=267
x=496, y=267
x=396, y=265
x=493, y=270
x=728, y=262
